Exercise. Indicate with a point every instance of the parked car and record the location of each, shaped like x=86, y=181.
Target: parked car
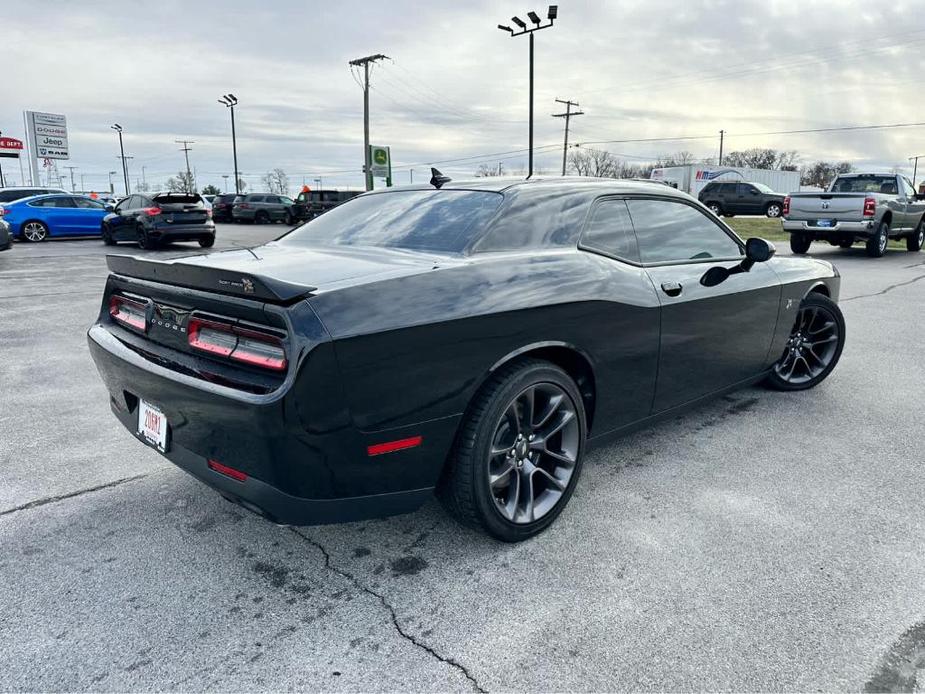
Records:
x=729, y=198
x=310, y=204
x=869, y=207
x=45, y=216
x=208, y=198
x=19, y=192
x=262, y=208
x=6, y=238
x=474, y=339
x=151, y=219
x=221, y=207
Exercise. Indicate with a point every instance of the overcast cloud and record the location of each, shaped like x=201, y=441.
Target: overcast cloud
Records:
x=457, y=86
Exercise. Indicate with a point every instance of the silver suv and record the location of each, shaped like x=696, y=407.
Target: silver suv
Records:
x=262, y=208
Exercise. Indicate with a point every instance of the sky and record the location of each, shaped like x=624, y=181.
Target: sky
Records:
x=455, y=87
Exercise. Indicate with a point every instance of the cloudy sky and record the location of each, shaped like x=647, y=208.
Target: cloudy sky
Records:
x=455, y=86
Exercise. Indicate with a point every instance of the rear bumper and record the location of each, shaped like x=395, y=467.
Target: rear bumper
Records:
x=182, y=231
x=243, y=214
x=864, y=228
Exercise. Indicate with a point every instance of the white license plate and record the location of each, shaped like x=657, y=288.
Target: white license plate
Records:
x=152, y=425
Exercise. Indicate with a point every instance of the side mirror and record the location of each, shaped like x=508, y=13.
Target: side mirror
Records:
x=109, y=207
x=758, y=250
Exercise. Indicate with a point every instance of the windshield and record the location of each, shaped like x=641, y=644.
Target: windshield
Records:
x=428, y=220
x=865, y=184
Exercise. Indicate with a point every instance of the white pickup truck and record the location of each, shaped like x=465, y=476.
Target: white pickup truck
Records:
x=869, y=207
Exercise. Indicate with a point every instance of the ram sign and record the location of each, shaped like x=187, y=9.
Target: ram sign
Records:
x=48, y=133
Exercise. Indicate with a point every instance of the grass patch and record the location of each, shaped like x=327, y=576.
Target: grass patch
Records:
x=764, y=227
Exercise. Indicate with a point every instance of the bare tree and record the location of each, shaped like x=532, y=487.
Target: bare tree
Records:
x=593, y=162
x=182, y=182
x=486, y=170
x=276, y=181
x=763, y=158
x=821, y=173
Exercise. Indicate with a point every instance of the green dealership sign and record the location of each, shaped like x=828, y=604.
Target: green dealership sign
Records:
x=381, y=161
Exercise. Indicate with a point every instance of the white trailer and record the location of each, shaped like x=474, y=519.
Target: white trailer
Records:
x=692, y=178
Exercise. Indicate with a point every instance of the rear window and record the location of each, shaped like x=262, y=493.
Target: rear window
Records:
x=865, y=184
x=178, y=198
x=428, y=220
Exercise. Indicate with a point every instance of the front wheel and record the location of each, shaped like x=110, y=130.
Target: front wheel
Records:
x=773, y=210
x=715, y=209
x=518, y=453
x=800, y=243
x=106, y=233
x=814, y=346
x=876, y=243
x=34, y=232
x=207, y=241
x=915, y=242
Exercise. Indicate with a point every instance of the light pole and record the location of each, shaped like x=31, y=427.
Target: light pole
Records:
x=118, y=129
x=318, y=181
x=551, y=15
x=112, y=189
x=230, y=101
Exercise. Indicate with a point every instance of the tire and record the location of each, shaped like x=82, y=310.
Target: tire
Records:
x=289, y=220
x=207, y=241
x=915, y=242
x=814, y=347
x=144, y=241
x=800, y=243
x=261, y=217
x=34, y=231
x=876, y=244
x=715, y=208
x=846, y=243
x=106, y=233
x=492, y=501
x=773, y=210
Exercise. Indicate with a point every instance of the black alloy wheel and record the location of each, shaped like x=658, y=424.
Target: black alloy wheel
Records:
x=144, y=241
x=207, y=241
x=814, y=346
x=106, y=233
x=518, y=453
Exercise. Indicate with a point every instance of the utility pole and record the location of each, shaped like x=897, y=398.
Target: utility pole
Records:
x=567, y=115
x=915, y=167
x=71, y=169
x=551, y=15
x=144, y=182
x=721, y=135
x=365, y=62
x=230, y=101
x=83, y=186
x=186, y=150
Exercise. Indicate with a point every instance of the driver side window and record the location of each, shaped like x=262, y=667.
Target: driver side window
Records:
x=670, y=231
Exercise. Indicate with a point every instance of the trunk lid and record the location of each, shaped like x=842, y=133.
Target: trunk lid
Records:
x=837, y=206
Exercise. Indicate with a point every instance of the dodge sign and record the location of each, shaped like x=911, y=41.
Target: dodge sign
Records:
x=49, y=134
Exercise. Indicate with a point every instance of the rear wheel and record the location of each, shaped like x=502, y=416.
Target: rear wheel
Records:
x=915, y=242
x=261, y=217
x=207, y=241
x=145, y=242
x=846, y=243
x=876, y=243
x=814, y=347
x=800, y=243
x=773, y=209
x=518, y=454
x=34, y=232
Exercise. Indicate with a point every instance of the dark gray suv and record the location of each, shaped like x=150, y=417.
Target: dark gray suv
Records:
x=262, y=208
x=729, y=198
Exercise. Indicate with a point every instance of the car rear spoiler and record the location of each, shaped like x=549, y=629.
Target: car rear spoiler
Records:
x=210, y=279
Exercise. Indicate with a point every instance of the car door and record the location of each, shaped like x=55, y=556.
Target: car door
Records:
x=274, y=207
x=711, y=337
x=61, y=215
x=750, y=200
x=90, y=214
x=912, y=208
x=122, y=223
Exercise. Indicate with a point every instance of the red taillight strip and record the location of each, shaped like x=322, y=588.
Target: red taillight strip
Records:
x=152, y=211
x=237, y=353
x=786, y=207
x=391, y=446
x=125, y=318
x=870, y=207
x=227, y=471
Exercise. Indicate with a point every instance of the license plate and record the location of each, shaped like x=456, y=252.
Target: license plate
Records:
x=825, y=222
x=152, y=425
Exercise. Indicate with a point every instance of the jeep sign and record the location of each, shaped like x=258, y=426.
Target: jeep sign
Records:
x=48, y=132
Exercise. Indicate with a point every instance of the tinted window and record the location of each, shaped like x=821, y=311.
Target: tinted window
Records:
x=256, y=198
x=728, y=188
x=11, y=195
x=908, y=190
x=610, y=230
x=44, y=202
x=419, y=220
x=177, y=198
x=667, y=230
x=864, y=184
x=87, y=204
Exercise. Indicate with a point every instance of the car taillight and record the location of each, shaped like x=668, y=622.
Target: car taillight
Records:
x=870, y=207
x=151, y=211
x=234, y=342
x=243, y=205
x=128, y=312
x=786, y=207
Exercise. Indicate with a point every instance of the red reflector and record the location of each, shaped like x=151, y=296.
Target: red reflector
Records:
x=391, y=446
x=227, y=471
x=870, y=207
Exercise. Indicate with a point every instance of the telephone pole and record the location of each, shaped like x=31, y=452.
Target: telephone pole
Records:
x=915, y=166
x=186, y=150
x=365, y=62
x=567, y=115
x=71, y=169
x=721, y=135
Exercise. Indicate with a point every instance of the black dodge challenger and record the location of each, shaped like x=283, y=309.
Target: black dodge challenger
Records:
x=470, y=339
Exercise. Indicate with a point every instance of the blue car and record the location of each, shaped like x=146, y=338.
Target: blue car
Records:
x=47, y=216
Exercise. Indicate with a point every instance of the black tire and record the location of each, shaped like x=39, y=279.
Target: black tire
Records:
x=825, y=310
x=207, y=241
x=800, y=243
x=34, y=231
x=915, y=242
x=290, y=221
x=261, y=217
x=773, y=210
x=464, y=487
x=106, y=233
x=846, y=243
x=145, y=242
x=715, y=208
x=877, y=242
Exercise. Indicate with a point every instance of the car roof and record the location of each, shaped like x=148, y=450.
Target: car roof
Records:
x=42, y=196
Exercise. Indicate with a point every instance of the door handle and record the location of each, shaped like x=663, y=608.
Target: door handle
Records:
x=671, y=288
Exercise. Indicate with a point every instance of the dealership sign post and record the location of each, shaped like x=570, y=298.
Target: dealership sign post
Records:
x=46, y=135
x=380, y=159
x=10, y=148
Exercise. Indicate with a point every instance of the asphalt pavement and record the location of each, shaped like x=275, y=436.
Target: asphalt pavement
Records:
x=765, y=541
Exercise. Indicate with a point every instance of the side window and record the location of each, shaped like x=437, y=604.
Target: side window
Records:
x=257, y=198
x=274, y=199
x=728, y=189
x=907, y=188
x=670, y=231
x=46, y=202
x=65, y=201
x=86, y=204
x=610, y=231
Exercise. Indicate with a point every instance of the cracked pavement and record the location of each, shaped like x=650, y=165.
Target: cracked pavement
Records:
x=765, y=541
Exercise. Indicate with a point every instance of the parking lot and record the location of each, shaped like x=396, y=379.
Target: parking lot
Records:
x=767, y=541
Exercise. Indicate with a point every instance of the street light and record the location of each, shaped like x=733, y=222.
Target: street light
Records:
x=230, y=101
x=118, y=129
x=318, y=181
x=551, y=15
